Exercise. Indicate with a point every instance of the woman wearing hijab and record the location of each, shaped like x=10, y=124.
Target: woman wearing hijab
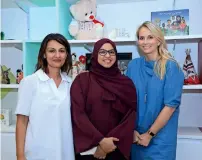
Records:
x=103, y=108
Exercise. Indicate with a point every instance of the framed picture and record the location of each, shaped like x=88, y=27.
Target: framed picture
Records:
x=123, y=60
x=172, y=23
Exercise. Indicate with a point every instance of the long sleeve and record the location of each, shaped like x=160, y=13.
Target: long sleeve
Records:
x=124, y=132
x=86, y=136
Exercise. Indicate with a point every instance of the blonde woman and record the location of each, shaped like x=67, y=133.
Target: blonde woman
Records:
x=159, y=81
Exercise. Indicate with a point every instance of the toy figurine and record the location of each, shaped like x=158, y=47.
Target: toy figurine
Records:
x=19, y=75
x=191, y=76
x=4, y=76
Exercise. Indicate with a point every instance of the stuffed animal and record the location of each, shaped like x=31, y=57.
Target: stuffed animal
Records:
x=82, y=63
x=4, y=76
x=84, y=24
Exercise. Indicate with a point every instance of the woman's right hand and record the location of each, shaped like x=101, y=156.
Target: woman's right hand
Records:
x=107, y=144
x=136, y=136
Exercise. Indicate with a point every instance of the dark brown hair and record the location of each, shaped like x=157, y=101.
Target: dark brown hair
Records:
x=42, y=62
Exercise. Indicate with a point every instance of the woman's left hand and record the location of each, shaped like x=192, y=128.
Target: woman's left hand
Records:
x=99, y=153
x=144, y=139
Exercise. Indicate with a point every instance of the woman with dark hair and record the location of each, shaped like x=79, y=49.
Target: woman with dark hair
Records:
x=103, y=103
x=44, y=128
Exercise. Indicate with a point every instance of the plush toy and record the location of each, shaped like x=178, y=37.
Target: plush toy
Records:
x=84, y=24
x=4, y=76
x=82, y=64
x=75, y=67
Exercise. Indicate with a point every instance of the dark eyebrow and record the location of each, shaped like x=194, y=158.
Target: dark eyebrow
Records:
x=54, y=48
x=106, y=50
x=50, y=48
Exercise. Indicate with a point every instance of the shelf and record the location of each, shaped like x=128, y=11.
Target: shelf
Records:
x=120, y=1
x=126, y=40
x=8, y=129
x=12, y=43
x=189, y=133
x=199, y=86
x=183, y=132
x=9, y=85
x=185, y=38
x=93, y=41
x=111, y=1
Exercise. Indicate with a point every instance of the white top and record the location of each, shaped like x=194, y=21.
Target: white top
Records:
x=49, y=132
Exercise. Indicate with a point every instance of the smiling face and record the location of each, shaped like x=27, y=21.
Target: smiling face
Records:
x=55, y=54
x=147, y=42
x=106, y=55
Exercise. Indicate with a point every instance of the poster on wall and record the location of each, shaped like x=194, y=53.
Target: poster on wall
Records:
x=173, y=22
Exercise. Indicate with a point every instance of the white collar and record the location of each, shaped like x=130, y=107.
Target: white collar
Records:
x=44, y=77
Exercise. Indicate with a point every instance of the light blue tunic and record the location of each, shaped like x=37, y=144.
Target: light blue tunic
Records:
x=160, y=93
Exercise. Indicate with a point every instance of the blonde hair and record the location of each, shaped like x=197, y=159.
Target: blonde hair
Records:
x=160, y=65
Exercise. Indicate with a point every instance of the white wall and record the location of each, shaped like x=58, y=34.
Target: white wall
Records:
x=131, y=15
x=14, y=23
x=11, y=58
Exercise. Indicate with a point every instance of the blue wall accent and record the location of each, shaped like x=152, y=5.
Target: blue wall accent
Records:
x=64, y=17
x=31, y=50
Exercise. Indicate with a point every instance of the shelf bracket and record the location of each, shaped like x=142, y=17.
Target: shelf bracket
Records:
x=88, y=48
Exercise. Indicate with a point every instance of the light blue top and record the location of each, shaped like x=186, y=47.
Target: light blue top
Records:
x=160, y=93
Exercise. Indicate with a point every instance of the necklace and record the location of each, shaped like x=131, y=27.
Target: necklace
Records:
x=145, y=93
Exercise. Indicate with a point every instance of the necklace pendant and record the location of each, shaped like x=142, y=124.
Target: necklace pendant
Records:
x=145, y=98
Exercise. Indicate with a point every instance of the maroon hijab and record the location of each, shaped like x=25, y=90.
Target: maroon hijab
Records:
x=115, y=84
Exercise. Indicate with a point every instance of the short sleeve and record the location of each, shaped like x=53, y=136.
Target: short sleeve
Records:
x=25, y=95
x=174, y=80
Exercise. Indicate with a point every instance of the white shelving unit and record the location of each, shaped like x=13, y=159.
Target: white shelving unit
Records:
x=199, y=86
x=185, y=134
x=185, y=37
x=118, y=40
x=9, y=85
x=132, y=41
x=12, y=43
x=189, y=133
x=8, y=129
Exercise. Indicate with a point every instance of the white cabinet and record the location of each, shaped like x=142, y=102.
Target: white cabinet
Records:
x=8, y=147
x=189, y=149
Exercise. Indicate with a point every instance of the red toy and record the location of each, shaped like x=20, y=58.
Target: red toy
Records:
x=191, y=76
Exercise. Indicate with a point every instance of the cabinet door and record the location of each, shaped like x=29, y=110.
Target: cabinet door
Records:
x=189, y=149
x=8, y=150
